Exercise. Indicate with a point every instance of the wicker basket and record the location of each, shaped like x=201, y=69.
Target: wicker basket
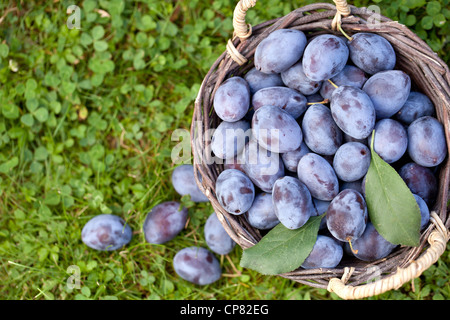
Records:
x=355, y=279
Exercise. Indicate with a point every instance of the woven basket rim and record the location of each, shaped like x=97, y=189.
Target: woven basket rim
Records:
x=427, y=71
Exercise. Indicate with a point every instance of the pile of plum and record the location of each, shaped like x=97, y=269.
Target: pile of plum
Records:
x=295, y=141
x=199, y=265
x=296, y=137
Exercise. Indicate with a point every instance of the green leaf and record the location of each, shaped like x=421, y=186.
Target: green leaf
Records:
x=10, y=111
x=4, y=50
x=439, y=20
x=427, y=22
x=433, y=8
x=8, y=165
x=100, y=45
x=282, y=249
x=41, y=114
x=32, y=104
x=392, y=207
x=98, y=32
x=27, y=119
x=410, y=20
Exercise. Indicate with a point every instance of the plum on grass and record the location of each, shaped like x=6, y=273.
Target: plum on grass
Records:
x=391, y=140
x=351, y=161
x=229, y=138
x=258, y=80
x=427, y=145
x=262, y=215
x=416, y=106
x=388, y=91
x=232, y=99
x=295, y=78
x=326, y=253
x=349, y=76
x=217, y=239
x=106, y=232
x=235, y=191
x=197, y=265
x=262, y=166
x=371, y=52
x=318, y=176
x=164, y=222
x=291, y=158
x=292, y=202
x=183, y=181
x=371, y=246
x=285, y=98
x=276, y=130
x=320, y=132
x=420, y=180
x=324, y=57
x=280, y=50
x=353, y=111
x=347, y=215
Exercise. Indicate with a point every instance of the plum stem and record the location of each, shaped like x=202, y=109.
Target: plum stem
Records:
x=321, y=102
x=332, y=83
x=349, y=239
x=343, y=32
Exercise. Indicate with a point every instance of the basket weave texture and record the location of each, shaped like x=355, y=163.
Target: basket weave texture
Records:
x=427, y=71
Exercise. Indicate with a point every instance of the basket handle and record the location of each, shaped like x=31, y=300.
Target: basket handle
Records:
x=242, y=30
x=438, y=242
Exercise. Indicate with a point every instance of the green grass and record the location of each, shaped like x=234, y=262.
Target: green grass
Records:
x=85, y=128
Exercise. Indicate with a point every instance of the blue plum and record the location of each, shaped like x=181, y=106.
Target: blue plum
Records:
x=391, y=140
x=420, y=180
x=258, y=80
x=353, y=111
x=349, y=76
x=292, y=202
x=164, y=222
x=326, y=253
x=262, y=213
x=371, y=52
x=279, y=50
x=427, y=145
x=230, y=138
x=388, y=91
x=424, y=211
x=197, y=265
x=232, y=99
x=351, y=161
x=106, y=232
x=356, y=185
x=371, y=246
x=321, y=208
x=325, y=56
x=285, y=98
x=320, y=132
x=263, y=167
x=295, y=78
x=276, y=130
x=291, y=158
x=216, y=237
x=318, y=176
x=416, y=106
x=347, y=215
x=184, y=183
x=235, y=191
